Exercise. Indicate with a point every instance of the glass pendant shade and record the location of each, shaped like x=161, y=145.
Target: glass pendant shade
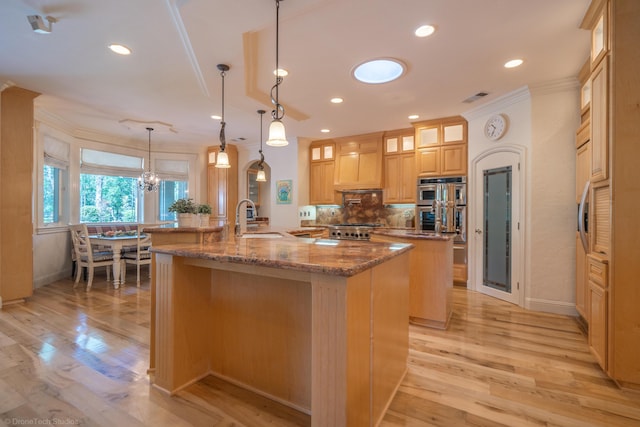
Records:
x=277, y=137
x=148, y=181
x=261, y=177
x=223, y=160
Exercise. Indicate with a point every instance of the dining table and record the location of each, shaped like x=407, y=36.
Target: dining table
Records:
x=115, y=243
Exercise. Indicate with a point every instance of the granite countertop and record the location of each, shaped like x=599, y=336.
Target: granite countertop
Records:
x=411, y=233
x=332, y=257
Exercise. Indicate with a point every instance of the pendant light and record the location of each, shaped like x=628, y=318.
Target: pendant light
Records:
x=223, y=158
x=261, y=177
x=149, y=181
x=277, y=136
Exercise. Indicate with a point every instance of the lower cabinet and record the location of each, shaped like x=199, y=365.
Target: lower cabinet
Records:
x=430, y=279
x=582, y=282
x=598, y=308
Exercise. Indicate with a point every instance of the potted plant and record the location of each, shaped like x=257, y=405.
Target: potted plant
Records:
x=204, y=211
x=185, y=210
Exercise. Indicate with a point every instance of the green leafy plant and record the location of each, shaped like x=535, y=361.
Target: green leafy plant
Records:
x=204, y=209
x=183, y=206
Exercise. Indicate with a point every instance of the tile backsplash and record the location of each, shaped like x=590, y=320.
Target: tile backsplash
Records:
x=364, y=207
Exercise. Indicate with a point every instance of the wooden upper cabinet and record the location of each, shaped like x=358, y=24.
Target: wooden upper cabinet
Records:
x=583, y=158
x=321, y=171
x=596, y=20
x=441, y=147
x=359, y=162
x=600, y=122
x=321, y=151
x=399, y=167
x=399, y=141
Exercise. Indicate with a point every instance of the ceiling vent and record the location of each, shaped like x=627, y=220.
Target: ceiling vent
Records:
x=475, y=97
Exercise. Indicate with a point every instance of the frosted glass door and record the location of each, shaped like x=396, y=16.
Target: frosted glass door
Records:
x=497, y=228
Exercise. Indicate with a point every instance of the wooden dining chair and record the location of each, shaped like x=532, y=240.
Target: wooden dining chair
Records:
x=86, y=256
x=141, y=256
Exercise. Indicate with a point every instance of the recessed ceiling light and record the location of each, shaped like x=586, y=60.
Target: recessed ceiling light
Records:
x=379, y=71
x=337, y=100
x=325, y=130
x=425, y=30
x=513, y=63
x=215, y=117
x=280, y=72
x=120, y=49
x=413, y=117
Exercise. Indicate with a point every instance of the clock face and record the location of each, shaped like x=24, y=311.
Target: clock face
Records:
x=495, y=127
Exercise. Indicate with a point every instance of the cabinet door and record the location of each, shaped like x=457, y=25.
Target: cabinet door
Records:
x=321, y=183
x=428, y=136
x=454, y=160
x=599, y=123
x=392, y=166
x=428, y=161
x=583, y=168
x=600, y=220
x=582, y=283
x=598, y=323
x=217, y=186
x=407, y=190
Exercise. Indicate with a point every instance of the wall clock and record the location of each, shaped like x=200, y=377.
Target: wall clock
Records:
x=496, y=127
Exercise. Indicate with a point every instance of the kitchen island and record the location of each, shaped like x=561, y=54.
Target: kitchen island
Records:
x=431, y=274
x=318, y=325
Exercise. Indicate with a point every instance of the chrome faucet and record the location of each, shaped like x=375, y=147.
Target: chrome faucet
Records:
x=237, y=230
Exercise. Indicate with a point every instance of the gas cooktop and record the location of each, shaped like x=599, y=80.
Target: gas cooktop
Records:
x=352, y=231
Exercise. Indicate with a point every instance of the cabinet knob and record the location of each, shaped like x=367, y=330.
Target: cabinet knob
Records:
x=478, y=231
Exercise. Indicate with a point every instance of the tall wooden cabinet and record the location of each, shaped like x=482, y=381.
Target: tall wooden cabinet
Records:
x=321, y=173
x=16, y=189
x=399, y=167
x=583, y=175
x=222, y=186
x=612, y=261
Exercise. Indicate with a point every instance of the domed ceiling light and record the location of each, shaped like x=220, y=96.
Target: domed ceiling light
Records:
x=379, y=71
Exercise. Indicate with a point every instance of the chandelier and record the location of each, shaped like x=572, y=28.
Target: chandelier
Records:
x=277, y=136
x=261, y=176
x=149, y=181
x=223, y=158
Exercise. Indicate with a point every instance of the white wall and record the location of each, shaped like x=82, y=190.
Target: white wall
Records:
x=543, y=122
x=555, y=119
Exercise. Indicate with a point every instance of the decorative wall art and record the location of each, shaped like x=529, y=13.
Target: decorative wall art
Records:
x=284, y=192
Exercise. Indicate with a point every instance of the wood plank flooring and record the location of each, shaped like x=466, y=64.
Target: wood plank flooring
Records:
x=77, y=358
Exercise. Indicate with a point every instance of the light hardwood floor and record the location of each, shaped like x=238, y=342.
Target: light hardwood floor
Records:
x=80, y=359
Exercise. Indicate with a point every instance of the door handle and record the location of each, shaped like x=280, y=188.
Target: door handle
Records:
x=478, y=231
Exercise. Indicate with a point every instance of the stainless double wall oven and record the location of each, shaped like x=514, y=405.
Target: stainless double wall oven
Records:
x=441, y=205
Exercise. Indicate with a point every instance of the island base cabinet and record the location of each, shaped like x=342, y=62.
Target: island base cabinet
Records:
x=333, y=347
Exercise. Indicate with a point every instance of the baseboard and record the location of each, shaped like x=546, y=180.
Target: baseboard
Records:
x=50, y=278
x=550, y=306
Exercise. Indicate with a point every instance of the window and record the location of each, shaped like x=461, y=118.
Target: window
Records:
x=174, y=185
x=52, y=191
x=109, y=187
x=105, y=198
x=51, y=194
x=170, y=191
